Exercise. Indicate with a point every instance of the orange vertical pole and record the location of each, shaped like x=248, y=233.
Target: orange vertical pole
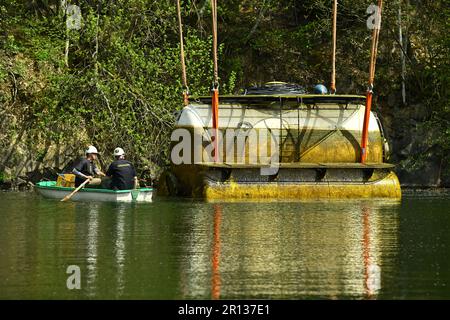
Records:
x=215, y=118
x=369, y=94
x=365, y=132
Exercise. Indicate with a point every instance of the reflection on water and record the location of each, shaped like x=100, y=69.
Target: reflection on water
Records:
x=215, y=290
x=91, y=248
x=120, y=248
x=309, y=249
x=183, y=249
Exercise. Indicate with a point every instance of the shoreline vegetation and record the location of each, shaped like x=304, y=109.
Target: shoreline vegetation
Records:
x=116, y=80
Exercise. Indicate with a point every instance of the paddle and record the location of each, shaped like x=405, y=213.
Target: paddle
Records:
x=75, y=191
x=134, y=194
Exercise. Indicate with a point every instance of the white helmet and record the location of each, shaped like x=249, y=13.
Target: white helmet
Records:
x=91, y=149
x=118, y=152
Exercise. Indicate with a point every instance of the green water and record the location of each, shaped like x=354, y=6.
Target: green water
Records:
x=180, y=249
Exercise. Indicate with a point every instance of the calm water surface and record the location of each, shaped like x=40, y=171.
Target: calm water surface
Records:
x=181, y=249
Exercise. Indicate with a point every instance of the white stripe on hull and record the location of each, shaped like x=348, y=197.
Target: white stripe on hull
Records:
x=324, y=117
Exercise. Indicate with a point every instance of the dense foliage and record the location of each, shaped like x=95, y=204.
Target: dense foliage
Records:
x=121, y=82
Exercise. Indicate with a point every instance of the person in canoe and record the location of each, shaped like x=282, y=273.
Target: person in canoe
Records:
x=122, y=172
x=85, y=168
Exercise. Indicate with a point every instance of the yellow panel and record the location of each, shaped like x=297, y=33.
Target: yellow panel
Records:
x=388, y=187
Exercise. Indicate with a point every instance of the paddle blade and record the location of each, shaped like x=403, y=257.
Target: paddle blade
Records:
x=134, y=194
x=66, y=197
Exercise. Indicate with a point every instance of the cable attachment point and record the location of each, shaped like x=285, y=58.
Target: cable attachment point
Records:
x=215, y=86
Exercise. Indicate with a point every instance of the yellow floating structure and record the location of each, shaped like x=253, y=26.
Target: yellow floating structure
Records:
x=278, y=145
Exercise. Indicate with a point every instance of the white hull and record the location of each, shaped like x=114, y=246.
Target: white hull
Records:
x=87, y=195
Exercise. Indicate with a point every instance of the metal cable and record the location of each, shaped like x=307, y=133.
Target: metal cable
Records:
x=182, y=57
x=333, y=59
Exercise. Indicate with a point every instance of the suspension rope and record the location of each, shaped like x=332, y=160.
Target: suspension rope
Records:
x=182, y=58
x=333, y=59
x=369, y=94
x=215, y=87
x=214, y=30
x=375, y=52
x=375, y=40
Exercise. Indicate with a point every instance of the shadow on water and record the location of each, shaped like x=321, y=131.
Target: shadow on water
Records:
x=182, y=249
